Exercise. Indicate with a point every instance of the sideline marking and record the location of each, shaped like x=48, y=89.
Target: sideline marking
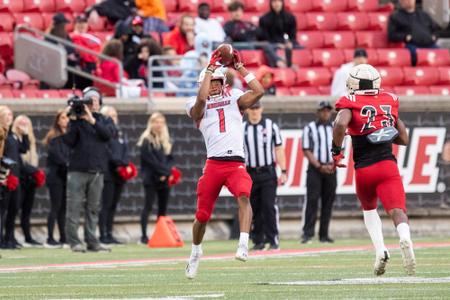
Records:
x=361, y=281
x=185, y=297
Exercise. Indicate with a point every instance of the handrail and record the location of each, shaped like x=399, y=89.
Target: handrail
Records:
x=19, y=28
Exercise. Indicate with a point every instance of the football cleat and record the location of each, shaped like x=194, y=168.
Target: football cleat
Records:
x=242, y=253
x=380, y=263
x=192, y=266
x=409, y=259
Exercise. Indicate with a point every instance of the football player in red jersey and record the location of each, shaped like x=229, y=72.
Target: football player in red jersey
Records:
x=370, y=117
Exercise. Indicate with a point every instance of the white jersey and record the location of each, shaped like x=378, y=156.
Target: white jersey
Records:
x=221, y=125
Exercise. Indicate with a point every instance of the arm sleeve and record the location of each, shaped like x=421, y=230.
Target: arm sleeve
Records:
x=104, y=128
x=149, y=157
x=293, y=29
x=394, y=35
x=278, y=141
x=307, y=142
x=24, y=145
x=55, y=152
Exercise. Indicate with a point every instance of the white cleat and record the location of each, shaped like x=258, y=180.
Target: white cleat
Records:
x=409, y=259
x=381, y=261
x=242, y=253
x=192, y=266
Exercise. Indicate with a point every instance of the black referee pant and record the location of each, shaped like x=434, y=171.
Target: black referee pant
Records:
x=323, y=186
x=263, y=201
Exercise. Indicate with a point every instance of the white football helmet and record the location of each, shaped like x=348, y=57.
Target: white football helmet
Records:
x=363, y=80
x=219, y=74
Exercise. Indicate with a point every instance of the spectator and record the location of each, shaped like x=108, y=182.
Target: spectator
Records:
x=123, y=32
x=238, y=30
x=114, y=10
x=412, y=26
x=154, y=13
x=265, y=75
x=57, y=161
x=339, y=85
x=81, y=37
x=172, y=62
x=156, y=164
x=181, y=38
x=279, y=28
x=204, y=24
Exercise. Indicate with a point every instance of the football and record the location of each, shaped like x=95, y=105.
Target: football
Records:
x=226, y=54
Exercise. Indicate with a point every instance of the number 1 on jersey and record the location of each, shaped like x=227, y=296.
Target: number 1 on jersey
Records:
x=221, y=119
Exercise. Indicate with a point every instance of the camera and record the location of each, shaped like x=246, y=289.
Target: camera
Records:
x=77, y=104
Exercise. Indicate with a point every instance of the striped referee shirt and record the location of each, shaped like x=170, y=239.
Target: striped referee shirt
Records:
x=260, y=141
x=317, y=138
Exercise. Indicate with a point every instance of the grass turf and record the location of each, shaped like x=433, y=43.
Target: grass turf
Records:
x=224, y=279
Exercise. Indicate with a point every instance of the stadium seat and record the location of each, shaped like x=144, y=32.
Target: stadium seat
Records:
x=328, y=57
x=321, y=21
x=48, y=19
x=297, y=5
x=394, y=57
x=283, y=91
x=444, y=75
x=68, y=93
x=420, y=76
x=284, y=77
x=301, y=57
x=222, y=17
x=353, y=21
x=46, y=94
x=11, y=6
x=260, y=6
x=253, y=18
x=329, y=5
x=371, y=39
x=310, y=39
x=191, y=5
x=6, y=93
x=71, y=5
x=362, y=5
x=31, y=6
x=253, y=58
x=378, y=21
x=371, y=53
x=32, y=19
x=412, y=90
x=313, y=76
x=440, y=90
x=171, y=5
x=325, y=90
x=304, y=91
x=6, y=22
x=25, y=94
x=391, y=76
x=339, y=39
x=302, y=24
x=433, y=57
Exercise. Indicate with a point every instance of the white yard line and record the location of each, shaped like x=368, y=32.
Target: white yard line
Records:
x=182, y=297
x=364, y=281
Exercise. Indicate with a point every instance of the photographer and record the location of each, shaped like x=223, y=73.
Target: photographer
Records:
x=87, y=137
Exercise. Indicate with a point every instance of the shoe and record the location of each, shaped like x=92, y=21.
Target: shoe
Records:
x=380, y=263
x=326, y=240
x=52, y=244
x=105, y=240
x=115, y=242
x=33, y=244
x=144, y=240
x=78, y=248
x=409, y=259
x=259, y=246
x=192, y=266
x=306, y=240
x=242, y=253
x=10, y=245
x=98, y=248
x=274, y=247
x=17, y=244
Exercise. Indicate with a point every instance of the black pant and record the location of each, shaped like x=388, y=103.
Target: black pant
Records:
x=57, y=211
x=318, y=185
x=11, y=213
x=264, y=206
x=28, y=193
x=4, y=203
x=112, y=191
x=151, y=191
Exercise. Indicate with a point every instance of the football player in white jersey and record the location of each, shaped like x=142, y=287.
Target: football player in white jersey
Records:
x=218, y=112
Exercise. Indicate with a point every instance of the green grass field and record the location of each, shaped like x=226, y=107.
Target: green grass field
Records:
x=220, y=278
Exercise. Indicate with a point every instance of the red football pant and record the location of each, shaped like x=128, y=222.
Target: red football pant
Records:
x=216, y=174
x=380, y=180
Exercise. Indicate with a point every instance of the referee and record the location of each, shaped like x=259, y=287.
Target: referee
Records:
x=321, y=177
x=263, y=147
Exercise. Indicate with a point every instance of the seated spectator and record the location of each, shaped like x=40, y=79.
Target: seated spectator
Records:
x=279, y=28
x=412, y=26
x=88, y=62
x=181, y=38
x=154, y=14
x=113, y=10
x=204, y=24
x=238, y=30
x=339, y=85
x=137, y=67
x=266, y=77
x=123, y=32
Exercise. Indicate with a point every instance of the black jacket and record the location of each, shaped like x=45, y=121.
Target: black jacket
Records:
x=88, y=144
x=154, y=164
x=57, y=161
x=118, y=156
x=13, y=150
x=273, y=26
x=418, y=24
x=240, y=31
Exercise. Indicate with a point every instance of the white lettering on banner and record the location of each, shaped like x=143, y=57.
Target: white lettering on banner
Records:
x=419, y=169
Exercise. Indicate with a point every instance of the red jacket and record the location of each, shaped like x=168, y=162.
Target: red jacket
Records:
x=177, y=40
x=109, y=70
x=89, y=41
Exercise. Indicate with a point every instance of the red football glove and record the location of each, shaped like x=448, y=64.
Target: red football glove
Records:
x=12, y=182
x=39, y=178
x=336, y=161
x=215, y=58
x=175, y=177
x=237, y=60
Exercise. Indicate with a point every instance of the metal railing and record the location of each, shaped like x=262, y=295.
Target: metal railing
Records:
x=117, y=86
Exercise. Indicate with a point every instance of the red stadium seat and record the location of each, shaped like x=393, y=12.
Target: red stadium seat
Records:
x=30, y=6
x=310, y=39
x=444, y=75
x=301, y=58
x=371, y=39
x=191, y=5
x=11, y=6
x=391, y=76
x=260, y=6
x=32, y=19
x=371, y=53
x=321, y=21
x=283, y=91
x=6, y=22
x=339, y=39
x=71, y=5
x=298, y=5
x=302, y=24
x=304, y=91
x=253, y=58
x=284, y=77
x=412, y=90
x=220, y=16
x=24, y=94
x=433, y=57
x=329, y=5
x=313, y=76
x=353, y=21
x=440, y=90
x=325, y=90
x=68, y=93
x=46, y=94
x=378, y=21
x=6, y=93
x=253, y=18
x=6, y=48
x=170, y=5
x=420, y=75
x=328, y=57
x=394, y=57
x=362, y=5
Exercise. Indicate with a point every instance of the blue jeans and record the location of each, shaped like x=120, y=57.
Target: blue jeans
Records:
x=412, y=48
